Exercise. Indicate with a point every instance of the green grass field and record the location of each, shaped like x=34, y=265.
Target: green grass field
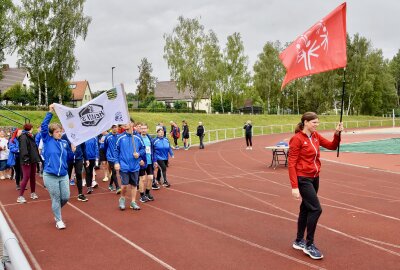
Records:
x=220, y=126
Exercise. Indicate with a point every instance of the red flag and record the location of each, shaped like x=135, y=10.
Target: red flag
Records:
x=320, y=48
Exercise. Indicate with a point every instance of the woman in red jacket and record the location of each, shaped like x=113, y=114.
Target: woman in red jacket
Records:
x=304, y=167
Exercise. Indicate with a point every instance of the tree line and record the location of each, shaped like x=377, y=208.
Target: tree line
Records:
x=43, y=33
x=199, y=65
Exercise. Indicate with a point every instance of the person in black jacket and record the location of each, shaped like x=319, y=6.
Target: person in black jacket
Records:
x=200, y=133
x=185, y=135
x=249, y=133
x=29, y=157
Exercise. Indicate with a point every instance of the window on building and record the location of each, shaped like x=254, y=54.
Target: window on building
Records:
x=72, y=86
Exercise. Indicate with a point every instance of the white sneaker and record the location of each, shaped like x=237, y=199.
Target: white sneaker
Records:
x=251, y=148
x=94, y=184
x=2, y=178
x=60, y=225
x=8, y=176
x=247, y=148
x=105, y=179
x=21, y=199
x=34, y=196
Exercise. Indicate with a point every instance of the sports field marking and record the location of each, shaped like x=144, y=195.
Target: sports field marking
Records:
x=237, y=238
x=126, y=240
x=20, y=238
x=381, y=242
x=361, y=209
x=358, y=166
x=321, y=225
x=288, y=219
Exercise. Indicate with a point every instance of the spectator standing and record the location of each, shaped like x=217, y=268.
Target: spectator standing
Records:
x=4, y=152
x=200, y=133
x=29, y=158
x=248, y=134
x=185, y=135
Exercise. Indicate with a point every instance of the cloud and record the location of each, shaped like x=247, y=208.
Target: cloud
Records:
x=123, y=32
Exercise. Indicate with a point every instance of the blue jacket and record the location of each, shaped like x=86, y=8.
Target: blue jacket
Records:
x=124, y=152
x=161, y=148
x=144, y=156
x=78, y=154
x=55, y=151
x=14, y=152
x=38, y=136
x=109, y=146
x=91, y=149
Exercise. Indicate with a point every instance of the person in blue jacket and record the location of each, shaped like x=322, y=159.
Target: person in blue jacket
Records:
x=162, y=148
x=109, y=149
x=13, y=158
x=90, y=155
x=55, y=173
x=38, y=137
x=128, y=152
x=75, y=161
x=146, y=171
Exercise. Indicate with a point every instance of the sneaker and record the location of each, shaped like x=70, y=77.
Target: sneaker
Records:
x=313, y=252
x=166, y=184
x=72, y=182
x=21, y=199
x=82, y=198
x=110, y=188
x=186, y=148
x=122, y=203
x=60, y=225
x=150, y=197
x=299, y=245
x=155, y=186
x=105, y=179
x=94, y=184
x=143, y=199
x=251, y=148
x=134, y=206
x=89, y=190
x=176, y=147
x=118, y=190
x=34, y=196
x=2, y=178
x=247, y=148
x=18, y=187
x=8, y=176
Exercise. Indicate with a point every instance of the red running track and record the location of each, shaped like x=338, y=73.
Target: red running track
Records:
x=225, y=210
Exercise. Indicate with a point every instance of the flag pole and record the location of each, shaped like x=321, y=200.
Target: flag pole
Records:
x=341, y=108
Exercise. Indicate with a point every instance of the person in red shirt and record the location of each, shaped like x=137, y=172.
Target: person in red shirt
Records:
x=304, y=167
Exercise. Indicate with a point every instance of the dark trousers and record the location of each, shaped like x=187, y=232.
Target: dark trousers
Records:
x=17, y=171
x=114, y=178
x=162, y=169
x=248, y=140
x=175, y=141
x=310, y=208
x=78, y=165
x=201, y=141
x=89, y=172
x=29, y=173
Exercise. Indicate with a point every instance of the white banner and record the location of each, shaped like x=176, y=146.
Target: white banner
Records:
x=92, y=118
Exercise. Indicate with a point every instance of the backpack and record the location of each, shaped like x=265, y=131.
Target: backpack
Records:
x=178, y=133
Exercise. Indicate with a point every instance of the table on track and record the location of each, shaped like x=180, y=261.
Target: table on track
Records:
x=279, y=154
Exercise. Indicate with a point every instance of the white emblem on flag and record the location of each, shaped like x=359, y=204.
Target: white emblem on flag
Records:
x=307, y=48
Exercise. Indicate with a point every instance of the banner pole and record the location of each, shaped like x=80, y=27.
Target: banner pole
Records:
x=342, y=107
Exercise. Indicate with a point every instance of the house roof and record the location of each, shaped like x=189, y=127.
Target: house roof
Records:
x=167, y=91
x=12, y=76
x=78, y=89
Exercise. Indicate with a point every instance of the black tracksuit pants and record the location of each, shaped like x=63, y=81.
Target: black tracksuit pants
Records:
x=310, y=208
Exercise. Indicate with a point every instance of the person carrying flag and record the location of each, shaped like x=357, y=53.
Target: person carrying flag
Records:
x=128, y=152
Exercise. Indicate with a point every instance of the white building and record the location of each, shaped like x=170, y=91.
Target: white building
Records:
x=167, y=93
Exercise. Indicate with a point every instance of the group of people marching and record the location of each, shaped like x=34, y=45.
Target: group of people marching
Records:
x=126, y=151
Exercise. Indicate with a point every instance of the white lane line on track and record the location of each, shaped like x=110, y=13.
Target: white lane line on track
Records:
x=21, y=240
x=126, y=240
x=381, y=242
x=283, y=210
x=237, y=238
x=359, y=166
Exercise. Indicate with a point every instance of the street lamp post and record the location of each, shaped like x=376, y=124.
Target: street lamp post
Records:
x=112, y=76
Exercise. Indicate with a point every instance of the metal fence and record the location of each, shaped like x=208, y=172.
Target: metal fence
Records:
x=216, y=135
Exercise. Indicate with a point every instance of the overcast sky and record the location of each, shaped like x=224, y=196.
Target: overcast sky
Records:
x=122, y=32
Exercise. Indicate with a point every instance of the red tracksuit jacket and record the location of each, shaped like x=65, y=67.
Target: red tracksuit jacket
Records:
x=304, y=155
